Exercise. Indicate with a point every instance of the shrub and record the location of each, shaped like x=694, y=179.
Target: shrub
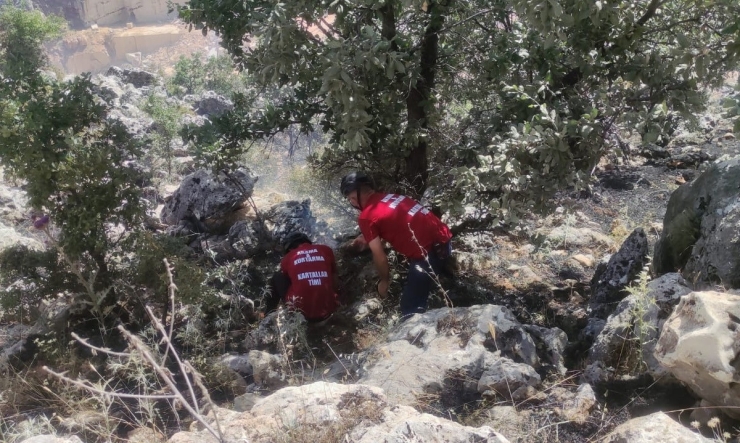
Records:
x=193, y=75
x=167, y=122
x=29, y=276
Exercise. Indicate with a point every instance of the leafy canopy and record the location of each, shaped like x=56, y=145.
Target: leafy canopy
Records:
x=23, y=32
x=57, y=138
x=508, y=101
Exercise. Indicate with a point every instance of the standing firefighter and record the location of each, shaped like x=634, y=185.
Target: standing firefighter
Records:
x=410, y=228
x=306, y=280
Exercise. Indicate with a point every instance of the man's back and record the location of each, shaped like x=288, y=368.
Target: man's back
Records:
x=311, y=269
x=403, y=222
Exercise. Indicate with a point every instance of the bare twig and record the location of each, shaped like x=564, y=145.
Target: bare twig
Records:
x=199, y=382
x=167, y=377
x=85, y=386
x=95, y=348
x=162, y=331
x=338, y=359
x=171, y=288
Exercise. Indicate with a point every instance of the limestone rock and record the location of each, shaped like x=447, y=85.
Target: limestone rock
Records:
x=248, y=237
x=137, y=77
x=504, y=377
x=616, y=343
x=267, y=369
x=700, y=228
x=279, y=331
x=145, y=435
x=609, y=282
x=579, y=408
x=246, y=402
x=212, y=104
x=52, y=439
x=552, y=341
x=334, y=412
x=202, y=196
x=424, y=353
x=290, y=216
x=586, y=260
x=238, y=363
x=109, y=88
x=109, y=12
x=572, y=237
x=508, y=421
x=654, y=428
x=700, y=344
x=11, y=237
x=365, y=307
x=144, y=39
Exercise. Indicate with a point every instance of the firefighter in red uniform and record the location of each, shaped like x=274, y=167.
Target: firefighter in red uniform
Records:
x=410, y=228
x=306, y=281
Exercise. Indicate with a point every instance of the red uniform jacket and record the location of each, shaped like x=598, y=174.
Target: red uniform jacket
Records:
x=311, y=270
x=404, y=223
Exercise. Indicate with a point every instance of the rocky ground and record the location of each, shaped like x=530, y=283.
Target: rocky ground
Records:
x=564, y=331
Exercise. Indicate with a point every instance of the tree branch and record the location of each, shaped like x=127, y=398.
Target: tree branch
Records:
x=650, y=12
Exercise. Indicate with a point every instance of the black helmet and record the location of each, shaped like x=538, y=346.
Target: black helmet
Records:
x=294, y=239
x=354, y=181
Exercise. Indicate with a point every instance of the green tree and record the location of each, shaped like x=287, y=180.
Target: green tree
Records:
x=503, y=101
x=57, y=138
x=190, y=75
x=219, y=74
x=167, y=125
x=23, y=32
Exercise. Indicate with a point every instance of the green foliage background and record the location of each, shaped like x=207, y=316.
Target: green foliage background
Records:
x=507, y=101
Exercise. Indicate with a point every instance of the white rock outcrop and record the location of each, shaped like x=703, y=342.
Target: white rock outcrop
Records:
x=108, y=12
x=335, y=412
x=428, y=351
x=616, y=339
x=653, y=428
x=699, y=345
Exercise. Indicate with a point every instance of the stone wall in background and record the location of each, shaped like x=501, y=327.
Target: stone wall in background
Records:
x=82, y=13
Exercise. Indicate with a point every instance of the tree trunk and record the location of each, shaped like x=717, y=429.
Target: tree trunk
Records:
x=417, y=101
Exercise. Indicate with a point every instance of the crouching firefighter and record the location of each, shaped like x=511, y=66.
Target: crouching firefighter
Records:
x=306, y=281
x=410, y=228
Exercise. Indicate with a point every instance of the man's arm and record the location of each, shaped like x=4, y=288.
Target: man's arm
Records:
x=279, y=285
x=359, y=243
x=381, y=265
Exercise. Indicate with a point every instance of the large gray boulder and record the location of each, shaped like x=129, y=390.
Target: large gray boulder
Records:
x=653, y=428
x=136, y=77
x=700, y=345
x=429, y=353
x=701, y=228
x=629, y=336
x=203, y=196
x=290, y=216
x=108, y=88
x=609, y=281
x=212, y=104
x=137, y=123
x=334, y=412
x=249, y=237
